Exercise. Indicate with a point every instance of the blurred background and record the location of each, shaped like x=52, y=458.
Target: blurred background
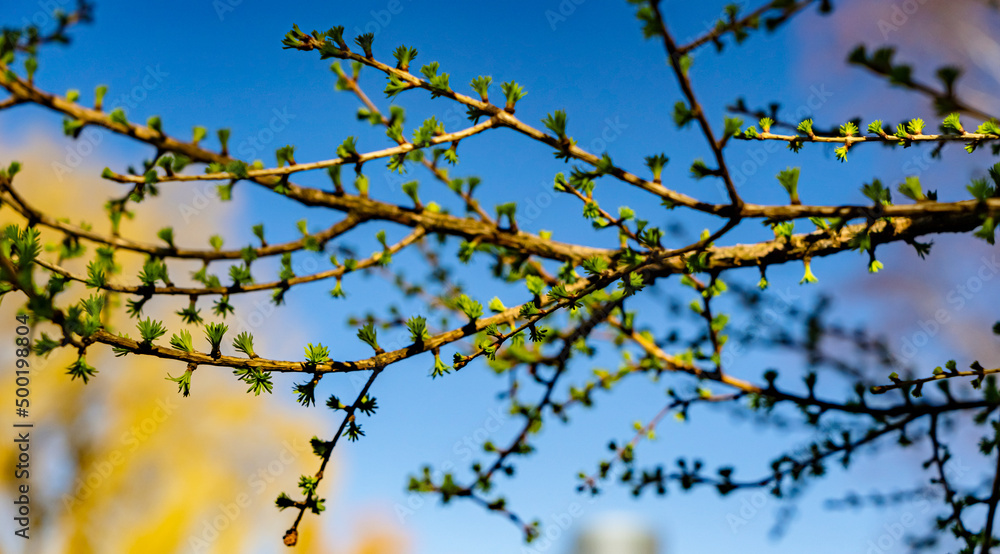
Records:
x=125, y=464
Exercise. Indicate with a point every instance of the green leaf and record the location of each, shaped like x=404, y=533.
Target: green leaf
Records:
x=496, y=305
x=214, y=333
x=404, y=57
x=240, y=275
x=338, y=291
x=99, y=92
x=166, y=234
x=981, y=189
x=285, y=154
x=507, y=210
x=481, y=85
x=259, y=380
x=877, y=193
x=430, y=70
x=684, y=63
x=238, y=169
x=987, y=231
x=439, y=85
x=198, y=133
x=789, y=180
x=118, y=116
x=395, y=86
x=915, y=126
x=595, y=265
x=841, y=153
x=808, y=276
x=349, y=148
x=953, y=122
x=471, y=308
x=334, y=403
x=151, y=330
x=317, y=354
x=365, y=41
x=411, y=189
x=430, y=128
x=989, y=127
x=183, y=382
x=536, y=285
x=731, y=126
x=513, y=92
x=45, y=345
x=155, y=123
x=82, y=370
x=699, y=170
x=631, y=284
x=556, y=123
x=244, y=343
x=417, y=326
x=440, y=369
x=284, y=501
x=682, y=114
x=336, y=34
x=182, y=341
x=96, y=277
x=367, y=335
x=656, y=164
x=367, y=405
x=910, y=188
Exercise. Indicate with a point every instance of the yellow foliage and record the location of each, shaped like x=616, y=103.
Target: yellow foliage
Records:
x=125, y=463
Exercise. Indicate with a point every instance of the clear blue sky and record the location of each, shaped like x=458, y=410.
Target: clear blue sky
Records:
x=222, y=66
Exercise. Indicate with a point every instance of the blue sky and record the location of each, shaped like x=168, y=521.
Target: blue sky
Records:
x=220, y=64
